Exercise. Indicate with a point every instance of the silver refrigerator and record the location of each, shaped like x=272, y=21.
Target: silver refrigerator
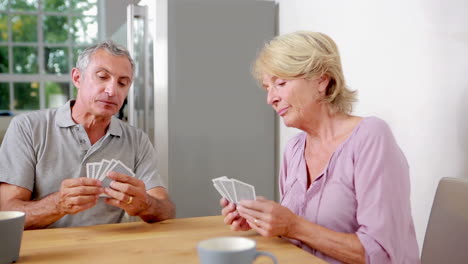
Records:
x=194, y=94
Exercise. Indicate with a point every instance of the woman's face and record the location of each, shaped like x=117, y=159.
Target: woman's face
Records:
x=295, y=100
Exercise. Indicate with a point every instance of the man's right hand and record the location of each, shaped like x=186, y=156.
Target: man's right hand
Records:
x=232, y=217
x=77, y=194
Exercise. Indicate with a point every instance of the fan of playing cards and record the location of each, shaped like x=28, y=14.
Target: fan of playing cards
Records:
x=234, y=190
x=99, y=170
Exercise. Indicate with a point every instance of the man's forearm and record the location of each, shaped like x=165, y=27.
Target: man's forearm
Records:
x=158, y=210
x=39, y=214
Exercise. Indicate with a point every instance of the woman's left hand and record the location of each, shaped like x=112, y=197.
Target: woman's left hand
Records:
x=267, y=217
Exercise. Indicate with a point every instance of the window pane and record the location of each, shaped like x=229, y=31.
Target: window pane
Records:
x=57, y=94
x=55, y=29
x=25, y=60
x=4, y=96
x=24, y=4
x=3, y=59
x=76, y=53
x=84, y=29
x=85, y=7
x=24, y=28
x=56, y=60
x=3, y=27
x=26, y=96
x=55, y=5
x=3, y=4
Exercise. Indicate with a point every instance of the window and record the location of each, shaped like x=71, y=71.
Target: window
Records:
x=39, y=43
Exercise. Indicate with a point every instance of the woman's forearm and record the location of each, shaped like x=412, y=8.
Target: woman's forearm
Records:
x=345, y=247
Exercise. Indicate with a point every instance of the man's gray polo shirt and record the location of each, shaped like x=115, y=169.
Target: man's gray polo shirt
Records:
x=43, y=148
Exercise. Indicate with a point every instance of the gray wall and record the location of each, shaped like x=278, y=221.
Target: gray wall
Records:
x=219, y=122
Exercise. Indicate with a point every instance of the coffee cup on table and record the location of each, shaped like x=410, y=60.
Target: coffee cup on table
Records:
x=229, y=250
x=11, y=233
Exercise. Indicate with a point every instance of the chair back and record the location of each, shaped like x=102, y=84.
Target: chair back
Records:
x=446, y=239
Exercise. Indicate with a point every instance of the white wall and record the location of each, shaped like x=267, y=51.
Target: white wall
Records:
x=409, y=62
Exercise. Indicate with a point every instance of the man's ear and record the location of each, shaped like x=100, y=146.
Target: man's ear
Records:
x=76, y=77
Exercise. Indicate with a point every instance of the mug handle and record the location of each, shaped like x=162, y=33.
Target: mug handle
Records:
x=268, y=254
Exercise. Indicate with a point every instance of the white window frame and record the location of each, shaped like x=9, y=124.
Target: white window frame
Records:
x=41, y=77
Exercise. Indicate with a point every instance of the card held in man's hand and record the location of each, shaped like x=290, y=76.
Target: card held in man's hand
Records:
x=99, y=170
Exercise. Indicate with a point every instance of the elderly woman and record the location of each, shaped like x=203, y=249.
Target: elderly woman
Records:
x=344, y=182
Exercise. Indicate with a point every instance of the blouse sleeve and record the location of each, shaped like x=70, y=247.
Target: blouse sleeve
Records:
x=382, y=192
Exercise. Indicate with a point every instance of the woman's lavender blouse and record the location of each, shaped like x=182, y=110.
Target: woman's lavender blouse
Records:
x=364, y=189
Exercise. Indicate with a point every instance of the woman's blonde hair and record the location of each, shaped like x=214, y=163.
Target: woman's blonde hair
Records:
x=305, y=54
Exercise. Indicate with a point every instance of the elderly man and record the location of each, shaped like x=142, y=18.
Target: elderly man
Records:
x=44, y=153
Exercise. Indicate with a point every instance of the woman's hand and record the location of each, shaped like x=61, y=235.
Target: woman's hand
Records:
x=267, y=217
x=232, y=217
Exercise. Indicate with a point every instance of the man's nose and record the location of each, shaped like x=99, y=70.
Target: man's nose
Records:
x=110, y=88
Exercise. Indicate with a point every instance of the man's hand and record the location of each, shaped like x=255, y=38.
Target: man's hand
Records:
x=128, y=193
x=77, y=194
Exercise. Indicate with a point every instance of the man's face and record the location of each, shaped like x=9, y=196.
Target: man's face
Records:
x=104, y=84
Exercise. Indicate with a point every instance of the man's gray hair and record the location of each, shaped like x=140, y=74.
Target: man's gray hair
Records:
x=109, y=46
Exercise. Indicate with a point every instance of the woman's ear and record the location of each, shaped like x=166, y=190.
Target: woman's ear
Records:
x=323, y=82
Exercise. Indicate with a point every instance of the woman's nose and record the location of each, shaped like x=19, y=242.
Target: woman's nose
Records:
x=272, y=96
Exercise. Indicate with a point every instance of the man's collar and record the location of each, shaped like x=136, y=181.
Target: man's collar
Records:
x=64, y=119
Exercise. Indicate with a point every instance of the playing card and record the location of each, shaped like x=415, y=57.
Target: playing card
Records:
x=220, y=191
x=95, y=169
x=104, y=164
x=228, y=187
x=243, y=191
x=119, y=167
x=233, y=189
x=88, y=169
x=106, y=182
x=219, y=187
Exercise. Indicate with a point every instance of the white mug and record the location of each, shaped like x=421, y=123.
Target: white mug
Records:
x=11, y=230
x=230, y=250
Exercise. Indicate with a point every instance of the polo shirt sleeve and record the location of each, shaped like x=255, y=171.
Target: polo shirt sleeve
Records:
x=17, y=155
x=146, y=160
x=382, y=192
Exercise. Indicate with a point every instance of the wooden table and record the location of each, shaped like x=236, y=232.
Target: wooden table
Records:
x=171, y=241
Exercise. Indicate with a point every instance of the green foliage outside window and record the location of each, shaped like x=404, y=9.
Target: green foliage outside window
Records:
x=55, y=29
x=66, y=26
x=26, y=96
x=24, y=28
x=25, y=60
x=3, y=27
x=3, y=59
x=4, y=96
x=56, y=60
x=56, y=94
x=24, y=5
x=55, y=5
x=3, y=4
